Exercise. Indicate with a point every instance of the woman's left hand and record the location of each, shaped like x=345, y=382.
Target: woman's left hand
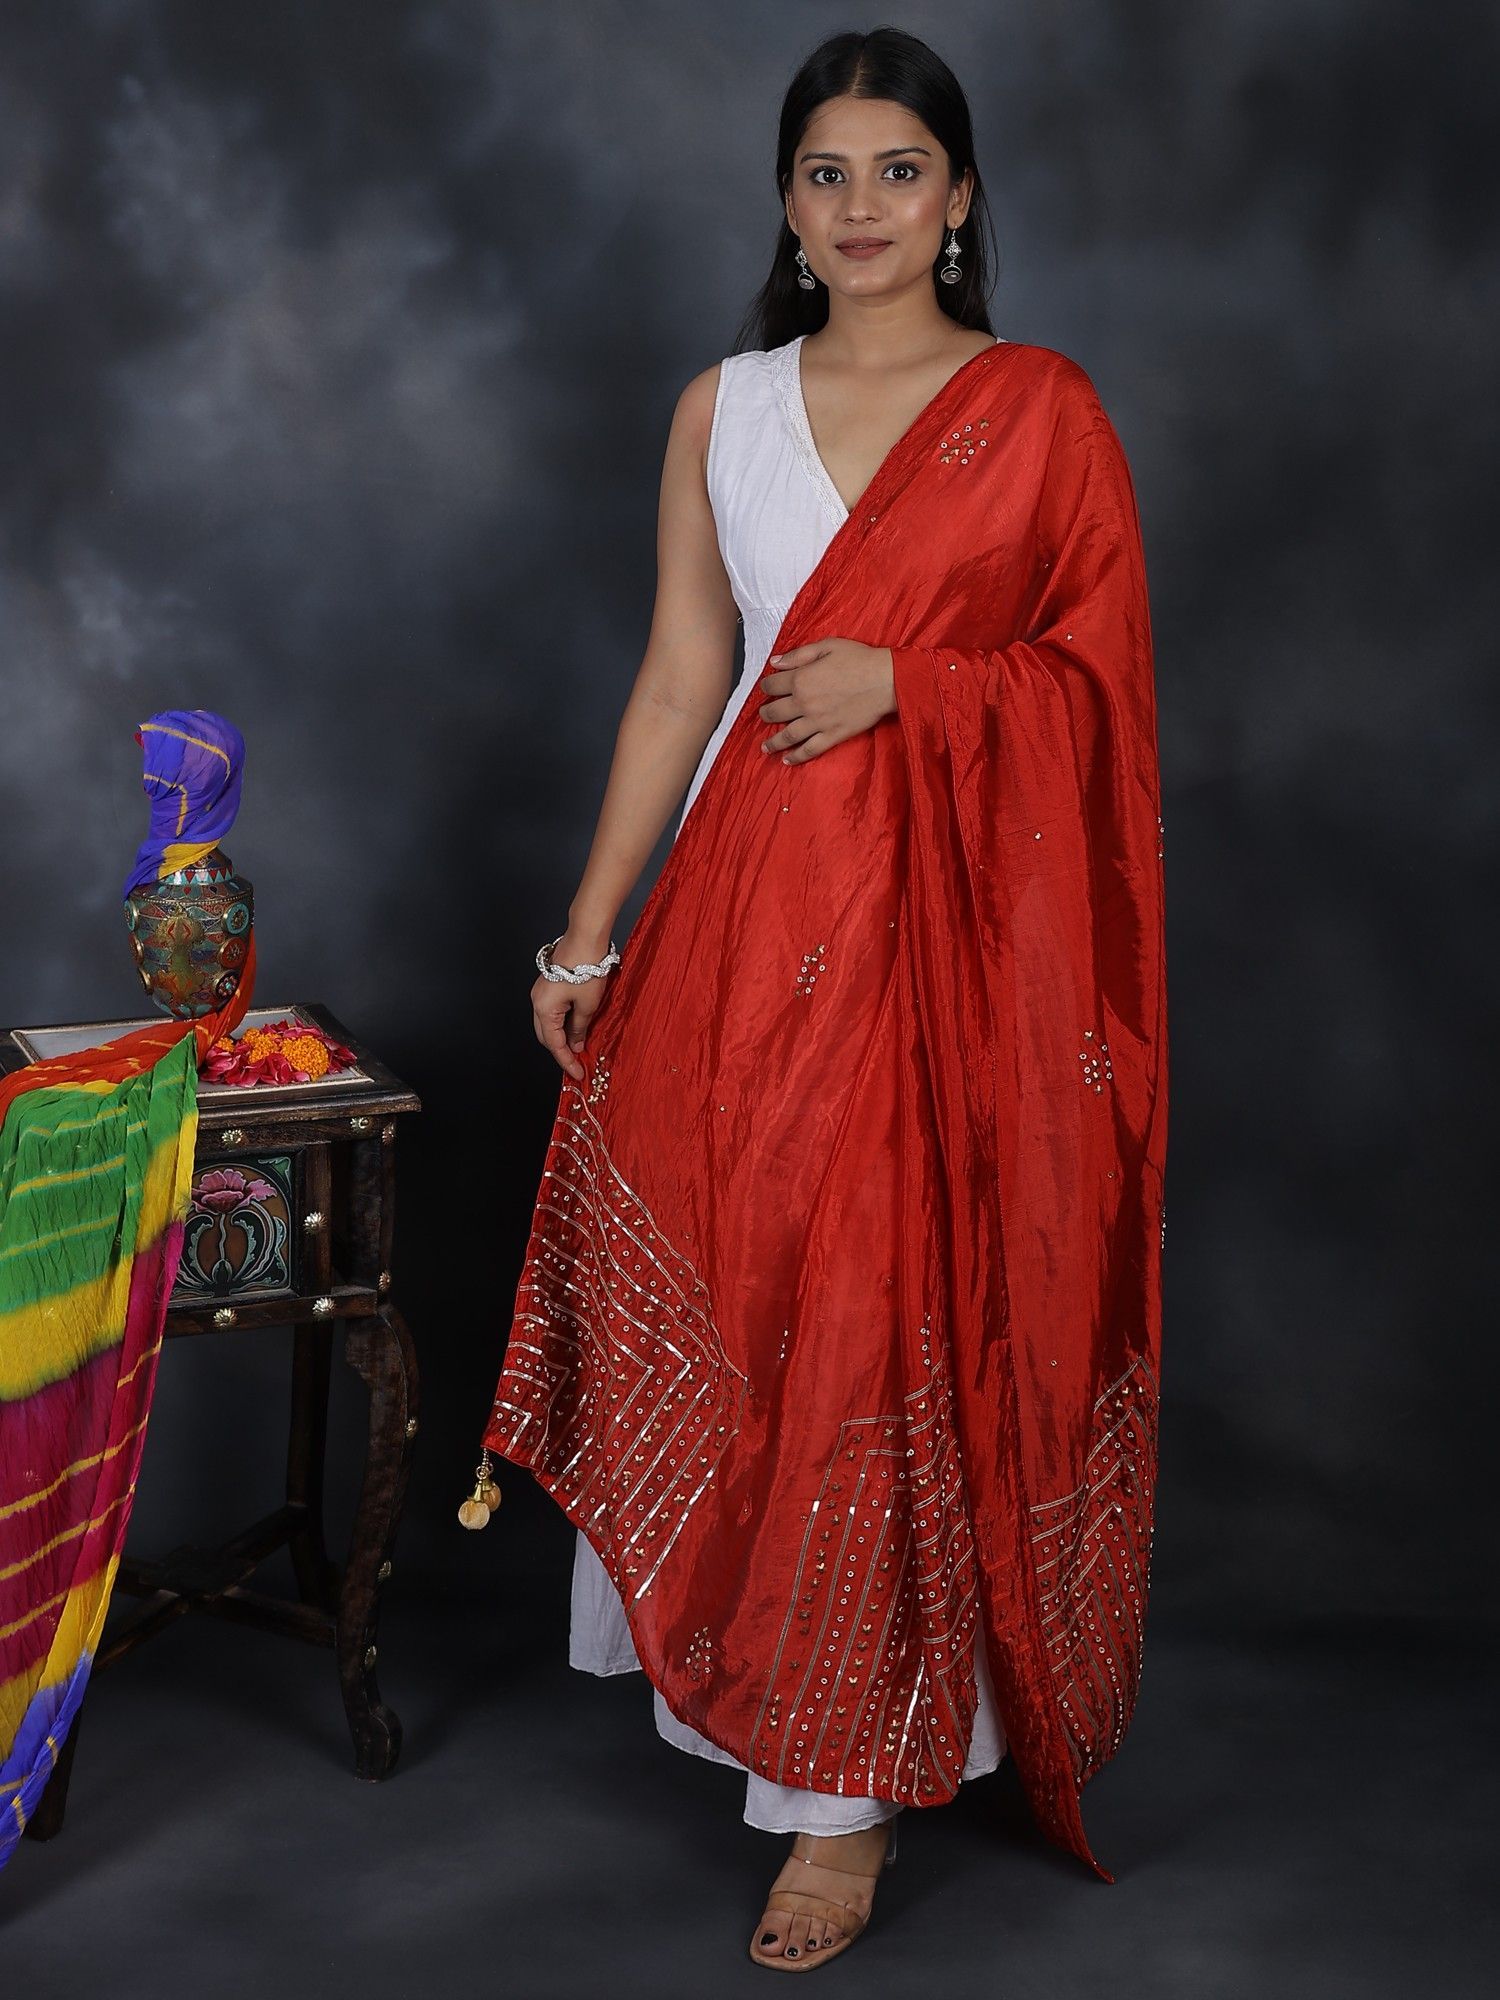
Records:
x=824, y=693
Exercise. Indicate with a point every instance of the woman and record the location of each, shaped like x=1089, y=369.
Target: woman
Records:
x=838, y=1329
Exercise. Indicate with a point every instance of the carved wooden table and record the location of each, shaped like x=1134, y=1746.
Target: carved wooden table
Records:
x=292, y=1220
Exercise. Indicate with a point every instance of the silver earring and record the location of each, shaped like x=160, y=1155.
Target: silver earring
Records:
x=950, y=273
x=805, y=277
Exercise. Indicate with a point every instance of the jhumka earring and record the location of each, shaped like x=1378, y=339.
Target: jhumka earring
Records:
x=950, y=273
x=805, y=277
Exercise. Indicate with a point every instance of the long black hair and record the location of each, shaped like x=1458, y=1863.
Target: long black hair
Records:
x=886, y=63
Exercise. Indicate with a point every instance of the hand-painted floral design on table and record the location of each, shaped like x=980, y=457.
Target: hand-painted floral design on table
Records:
x=238, y=1230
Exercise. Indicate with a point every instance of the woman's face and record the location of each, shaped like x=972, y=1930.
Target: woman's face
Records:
x=868, y=172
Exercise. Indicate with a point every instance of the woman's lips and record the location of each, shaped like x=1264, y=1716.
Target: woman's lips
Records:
x=853, y=249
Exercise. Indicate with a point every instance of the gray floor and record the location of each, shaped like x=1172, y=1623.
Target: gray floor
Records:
x=1305, y=1817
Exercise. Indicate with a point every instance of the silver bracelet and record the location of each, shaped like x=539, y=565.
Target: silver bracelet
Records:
x=574, y=975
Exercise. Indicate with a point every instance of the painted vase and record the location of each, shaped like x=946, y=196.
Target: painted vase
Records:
x=190, y=933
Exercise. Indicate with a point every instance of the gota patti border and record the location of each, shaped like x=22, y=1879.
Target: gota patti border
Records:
x=625, y=1341
x=1092, y=1551
x=872, y=1690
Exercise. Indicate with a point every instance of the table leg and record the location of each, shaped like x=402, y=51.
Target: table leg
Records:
x=380, y=1350
x=317, y=1578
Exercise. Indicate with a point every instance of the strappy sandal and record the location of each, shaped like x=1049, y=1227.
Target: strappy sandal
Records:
x=796, y=1903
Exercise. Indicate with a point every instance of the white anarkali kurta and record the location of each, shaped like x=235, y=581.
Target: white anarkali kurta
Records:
x=776, y=509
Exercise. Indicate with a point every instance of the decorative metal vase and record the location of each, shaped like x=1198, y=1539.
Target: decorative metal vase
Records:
x=191, y=934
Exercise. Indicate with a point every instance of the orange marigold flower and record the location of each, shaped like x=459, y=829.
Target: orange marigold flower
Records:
x=307, y=1053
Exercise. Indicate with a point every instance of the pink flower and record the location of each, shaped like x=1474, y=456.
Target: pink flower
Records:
x=233, y=1063
x=225, y=1189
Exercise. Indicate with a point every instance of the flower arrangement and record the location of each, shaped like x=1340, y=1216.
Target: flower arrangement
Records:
x=283, y=1052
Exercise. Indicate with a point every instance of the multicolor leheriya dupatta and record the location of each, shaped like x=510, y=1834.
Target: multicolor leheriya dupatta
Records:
x=96, y=1159
x=839, y=1325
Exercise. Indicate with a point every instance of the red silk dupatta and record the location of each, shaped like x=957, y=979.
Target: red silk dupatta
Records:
x=839, y=1324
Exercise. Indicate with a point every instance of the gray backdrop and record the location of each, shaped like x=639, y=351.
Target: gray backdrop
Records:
x=339, y=347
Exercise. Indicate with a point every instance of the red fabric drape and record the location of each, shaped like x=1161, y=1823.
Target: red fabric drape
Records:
x=839, y=1325
x=129, y=1054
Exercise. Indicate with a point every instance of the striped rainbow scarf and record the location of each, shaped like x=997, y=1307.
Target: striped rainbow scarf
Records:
x=96, y=1165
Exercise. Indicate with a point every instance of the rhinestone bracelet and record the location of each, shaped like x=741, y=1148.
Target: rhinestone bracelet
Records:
x=574, y=975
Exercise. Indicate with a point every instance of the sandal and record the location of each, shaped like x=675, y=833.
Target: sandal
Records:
x=843, y=1916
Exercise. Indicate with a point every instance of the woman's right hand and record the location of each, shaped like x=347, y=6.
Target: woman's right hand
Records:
x=561, y=1011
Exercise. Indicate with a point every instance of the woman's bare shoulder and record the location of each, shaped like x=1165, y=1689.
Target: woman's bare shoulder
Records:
x=693, y=417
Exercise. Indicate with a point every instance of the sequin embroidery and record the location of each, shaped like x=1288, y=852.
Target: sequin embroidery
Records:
x=698, y=1660
x=812, y=965
x=615, y=1335
x=1096, y=1064
x=872, y=1685
x=1092, y=1549
x=959, y=446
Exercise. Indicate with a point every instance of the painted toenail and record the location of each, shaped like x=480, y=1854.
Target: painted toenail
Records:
x=791, y=1951
x=768, y=1937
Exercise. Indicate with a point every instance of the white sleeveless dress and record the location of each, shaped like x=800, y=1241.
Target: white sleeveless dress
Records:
x=776, y=509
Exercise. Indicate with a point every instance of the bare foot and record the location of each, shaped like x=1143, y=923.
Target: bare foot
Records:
x=827, y=1878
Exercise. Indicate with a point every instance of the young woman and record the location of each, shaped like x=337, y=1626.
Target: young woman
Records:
x=838, y=1331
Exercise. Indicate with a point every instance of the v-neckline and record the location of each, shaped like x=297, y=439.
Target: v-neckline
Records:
x=803, y=432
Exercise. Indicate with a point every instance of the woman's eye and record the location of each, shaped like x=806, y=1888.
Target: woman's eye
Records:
x=903, y=166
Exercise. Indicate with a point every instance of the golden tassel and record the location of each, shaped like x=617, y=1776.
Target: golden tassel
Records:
x=482, y=1502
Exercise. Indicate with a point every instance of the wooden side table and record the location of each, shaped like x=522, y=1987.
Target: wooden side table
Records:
x=292, y=1223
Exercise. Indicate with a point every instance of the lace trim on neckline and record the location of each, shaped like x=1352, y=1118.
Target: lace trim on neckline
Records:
x=786, y=373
